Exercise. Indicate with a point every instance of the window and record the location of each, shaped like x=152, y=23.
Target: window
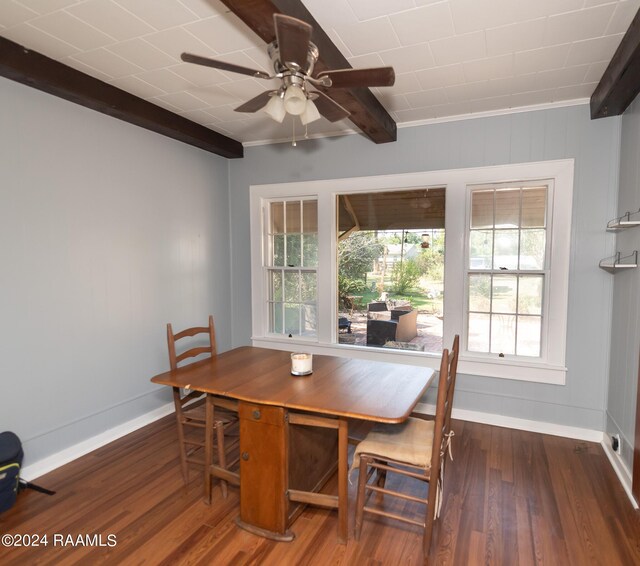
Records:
x=506, y=270
x=390, y=253
x=290, y=269
x=506, y=265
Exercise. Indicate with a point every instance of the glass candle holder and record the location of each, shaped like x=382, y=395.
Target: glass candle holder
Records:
x=301, y=363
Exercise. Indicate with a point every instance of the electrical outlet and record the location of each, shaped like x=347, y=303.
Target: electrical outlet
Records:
x=616, y=445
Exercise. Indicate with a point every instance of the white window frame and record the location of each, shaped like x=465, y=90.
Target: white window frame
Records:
x=545, y=271
x=550, y=368
x=268, y=267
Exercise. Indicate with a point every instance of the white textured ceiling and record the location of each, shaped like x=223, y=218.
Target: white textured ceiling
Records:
x=451, y=57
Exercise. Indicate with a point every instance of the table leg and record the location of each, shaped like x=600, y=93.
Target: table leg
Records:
x=343, y=486
x=304, y=488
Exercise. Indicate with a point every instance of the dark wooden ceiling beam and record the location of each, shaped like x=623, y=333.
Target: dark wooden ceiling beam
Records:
x=367, y=114
x=41, y=72
x=620, y=83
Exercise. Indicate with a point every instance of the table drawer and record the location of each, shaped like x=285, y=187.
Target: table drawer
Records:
x=264, y=414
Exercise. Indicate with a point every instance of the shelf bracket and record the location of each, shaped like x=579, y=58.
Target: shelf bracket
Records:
x=619, y=262
x=623, y=222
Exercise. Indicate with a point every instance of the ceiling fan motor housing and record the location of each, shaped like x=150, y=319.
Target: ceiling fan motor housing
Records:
x=291, y=67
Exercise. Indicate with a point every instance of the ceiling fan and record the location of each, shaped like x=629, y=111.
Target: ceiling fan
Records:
x=293, y=56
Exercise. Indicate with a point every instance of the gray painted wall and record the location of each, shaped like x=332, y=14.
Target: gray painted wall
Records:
x=625, y=335
x=532, y=136
x=107, y=232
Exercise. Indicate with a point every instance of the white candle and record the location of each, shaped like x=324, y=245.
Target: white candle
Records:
x=301, y=364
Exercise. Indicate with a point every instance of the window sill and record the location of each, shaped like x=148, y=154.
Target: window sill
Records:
x=503, y=368
x=468, y=365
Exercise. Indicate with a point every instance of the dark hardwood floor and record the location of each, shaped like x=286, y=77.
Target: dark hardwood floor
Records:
x=511, y=497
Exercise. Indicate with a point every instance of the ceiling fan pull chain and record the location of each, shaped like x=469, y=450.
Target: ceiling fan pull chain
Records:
x=293, y=128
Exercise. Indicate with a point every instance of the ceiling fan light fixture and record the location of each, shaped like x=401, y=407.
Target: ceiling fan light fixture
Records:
x=310, y=113
x=295, y=100
x=275, y=108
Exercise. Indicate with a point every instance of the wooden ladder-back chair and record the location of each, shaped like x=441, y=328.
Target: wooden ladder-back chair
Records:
x=190, y=408
x=416, y=448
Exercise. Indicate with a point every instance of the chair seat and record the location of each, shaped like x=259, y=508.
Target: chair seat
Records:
x=409, y=442
x=197, y=413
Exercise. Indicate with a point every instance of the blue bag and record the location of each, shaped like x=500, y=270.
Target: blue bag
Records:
x=11, y=455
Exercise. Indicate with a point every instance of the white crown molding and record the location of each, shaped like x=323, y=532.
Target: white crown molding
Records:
x=500, y=112
x=443, y=119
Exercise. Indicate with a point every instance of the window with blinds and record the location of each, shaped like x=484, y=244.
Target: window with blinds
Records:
x=507, y=269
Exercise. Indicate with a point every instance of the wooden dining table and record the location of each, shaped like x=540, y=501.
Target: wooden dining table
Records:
x=294, y=429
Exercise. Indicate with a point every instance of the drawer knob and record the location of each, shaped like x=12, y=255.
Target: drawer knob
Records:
x=245, y=456
x=257, y=414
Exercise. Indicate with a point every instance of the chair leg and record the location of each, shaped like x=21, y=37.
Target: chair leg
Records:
x=181, y=445
x=221, y=457
x=430, y=520
x=381, y=477
x=343, y=487
x=426, y=542
x=362, y=482
x=209, y=425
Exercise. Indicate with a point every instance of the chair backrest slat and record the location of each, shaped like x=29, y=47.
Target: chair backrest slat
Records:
x=191, y=332
x=193, y=352
x=210, y=348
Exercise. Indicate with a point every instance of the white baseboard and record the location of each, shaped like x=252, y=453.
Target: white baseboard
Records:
x=50, y=463
x=518, y=424
x=41, y=467
x=621, y=470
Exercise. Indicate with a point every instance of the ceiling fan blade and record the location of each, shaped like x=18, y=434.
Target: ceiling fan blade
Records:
x=329, y=108
x=349, y=78
x=256, y=103
x=199, y=60
x=293, y=38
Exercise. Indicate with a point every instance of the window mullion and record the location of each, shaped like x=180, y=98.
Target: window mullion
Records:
x=300, y=313
x=490, y=306
x=518, y=272
x=299, y=272
x=302, y=260
x=493, y=267
x=282, y=301
x=517, y=318
x=285, y=258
